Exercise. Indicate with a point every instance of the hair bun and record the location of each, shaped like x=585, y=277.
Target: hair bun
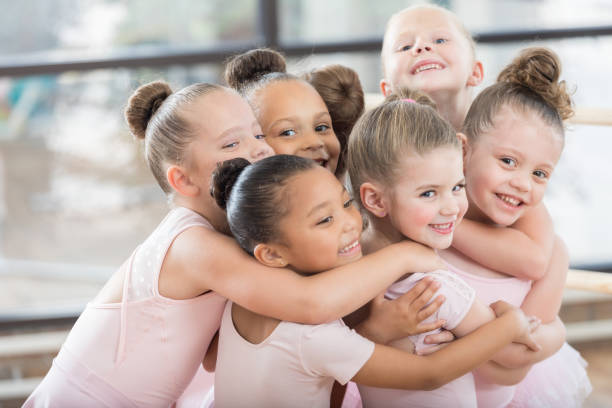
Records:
x=539, y=70
x=143, y=104
x=252, y=65
x=224, y=177
x=411, y=96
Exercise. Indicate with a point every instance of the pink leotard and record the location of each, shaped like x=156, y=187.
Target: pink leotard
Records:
x=141, y=352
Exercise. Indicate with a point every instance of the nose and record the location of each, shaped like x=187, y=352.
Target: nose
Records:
x=450, y=206
x=521, y=182
x=259, y=149
x=420, y=46
x=312, y=141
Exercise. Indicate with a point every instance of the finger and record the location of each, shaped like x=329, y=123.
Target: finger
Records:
x=431, y=308
x=426, y=327
x=534, y=323
x=417, y=290
x=531, y=344
x=444, y=336
x=379, y=299
x=429, y=350
x=426, y=296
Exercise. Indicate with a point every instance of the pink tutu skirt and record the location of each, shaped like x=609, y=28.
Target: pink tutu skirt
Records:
x=559, y=381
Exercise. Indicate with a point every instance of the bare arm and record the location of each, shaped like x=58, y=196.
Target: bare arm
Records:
x=210, y=358
x=531, y=238
x=393, y=368
x=201, y=259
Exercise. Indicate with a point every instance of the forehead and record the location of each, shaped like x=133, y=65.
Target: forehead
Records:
x=440, y=165
x=219, y=110
x=524, y=131
x=310, y=187
x=289, y=97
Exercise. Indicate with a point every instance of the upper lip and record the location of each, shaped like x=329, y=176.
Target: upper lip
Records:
x=351, y=242
x=421, y=63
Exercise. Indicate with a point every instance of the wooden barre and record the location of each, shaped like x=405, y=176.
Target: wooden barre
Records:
x=589, y=280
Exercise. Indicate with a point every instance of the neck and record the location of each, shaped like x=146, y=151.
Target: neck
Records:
x=453, y=106
x=475, y=214
x=207, y=209
x=379, y=234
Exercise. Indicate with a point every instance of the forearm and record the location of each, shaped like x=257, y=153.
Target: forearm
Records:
x=549, y=336
x=397, y=369
x=496, y=374
x=315, y=299
x=489, y=246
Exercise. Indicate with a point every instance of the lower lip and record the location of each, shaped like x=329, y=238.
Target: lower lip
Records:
x=443, y=231
x=428, y=70
x=353, y=251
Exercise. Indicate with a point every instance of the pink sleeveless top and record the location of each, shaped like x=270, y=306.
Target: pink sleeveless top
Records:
x=489, y=290
x=146, y=349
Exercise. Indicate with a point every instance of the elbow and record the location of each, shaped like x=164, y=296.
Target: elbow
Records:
x=535, y=268
x=317, y=312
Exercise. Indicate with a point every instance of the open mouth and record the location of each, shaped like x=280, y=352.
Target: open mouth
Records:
x=427, y=67
x=510, y=201
x=350, y=249
x=322, y=162
x=444, y=229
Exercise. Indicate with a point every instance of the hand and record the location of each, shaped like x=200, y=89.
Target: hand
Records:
x=395, y=319
x=438, y=341
x=423, y=259
x=527, y=325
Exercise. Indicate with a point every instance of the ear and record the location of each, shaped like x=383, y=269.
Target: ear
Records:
x=269, y=255
x=372, y=199
x=464, y=145
x=385, y=87
x=179, y=180
x=477, y=74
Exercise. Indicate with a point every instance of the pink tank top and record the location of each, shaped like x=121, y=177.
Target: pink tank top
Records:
x=148, y=347
x=489, y=290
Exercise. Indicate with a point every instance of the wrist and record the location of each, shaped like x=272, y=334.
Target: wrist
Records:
x=370, y=330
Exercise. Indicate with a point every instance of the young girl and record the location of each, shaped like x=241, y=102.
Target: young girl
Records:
x=140, y=341
x=308, y=117
x=514, y=138
x=286, y=210
x=427, y=48
x=405, y=161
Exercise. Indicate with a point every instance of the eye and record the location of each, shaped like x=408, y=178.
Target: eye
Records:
x=325, y=220
x=508, y=161
x=321, y=128
x=405, y=48
x=458, y=188
x=540, y=174
x=428, y=194
x=348, y=203
x=259, y=137
x=440, y=40
x=230, y=145
x=288, y=132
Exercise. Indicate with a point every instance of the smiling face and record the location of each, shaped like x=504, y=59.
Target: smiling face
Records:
x=425, y=49
x=295, y=120
x=508, y=167
x=322, y=227
x=226, y=129
x=428, y=200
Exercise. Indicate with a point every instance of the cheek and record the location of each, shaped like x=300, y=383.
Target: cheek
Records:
x=282, y=147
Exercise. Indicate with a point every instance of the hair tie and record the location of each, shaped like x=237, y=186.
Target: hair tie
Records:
x=409, y=100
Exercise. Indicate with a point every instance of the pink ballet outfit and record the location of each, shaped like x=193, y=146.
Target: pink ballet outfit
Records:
x=559, y=381
x=295, y=366
x=142, y=352
x=458, y=393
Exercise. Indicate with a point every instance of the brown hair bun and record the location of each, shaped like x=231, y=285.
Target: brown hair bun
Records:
x=539, y=70
x=252, y=65
x=143, y=104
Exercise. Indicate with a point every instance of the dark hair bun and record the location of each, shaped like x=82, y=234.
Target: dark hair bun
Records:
x=410, y=95
x=539, y=69
x=224, y=177
x=143, y=104
x=252, y=65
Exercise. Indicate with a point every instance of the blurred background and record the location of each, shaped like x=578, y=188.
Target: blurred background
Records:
x=76, y=196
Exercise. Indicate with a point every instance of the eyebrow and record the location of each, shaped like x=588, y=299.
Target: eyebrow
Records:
x=430, y=186
x=228, y=131
x=322, y=205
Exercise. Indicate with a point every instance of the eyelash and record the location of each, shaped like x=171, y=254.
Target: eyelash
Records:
x=507, y=160
x=230, y=145
x=436, y=41
x=543, y=176
x=286, y=133
x=461, y=187
x=425, y=193
x=319, y=128
x=349, y=202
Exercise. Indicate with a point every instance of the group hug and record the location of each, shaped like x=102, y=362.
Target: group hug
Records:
x=320, y=254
